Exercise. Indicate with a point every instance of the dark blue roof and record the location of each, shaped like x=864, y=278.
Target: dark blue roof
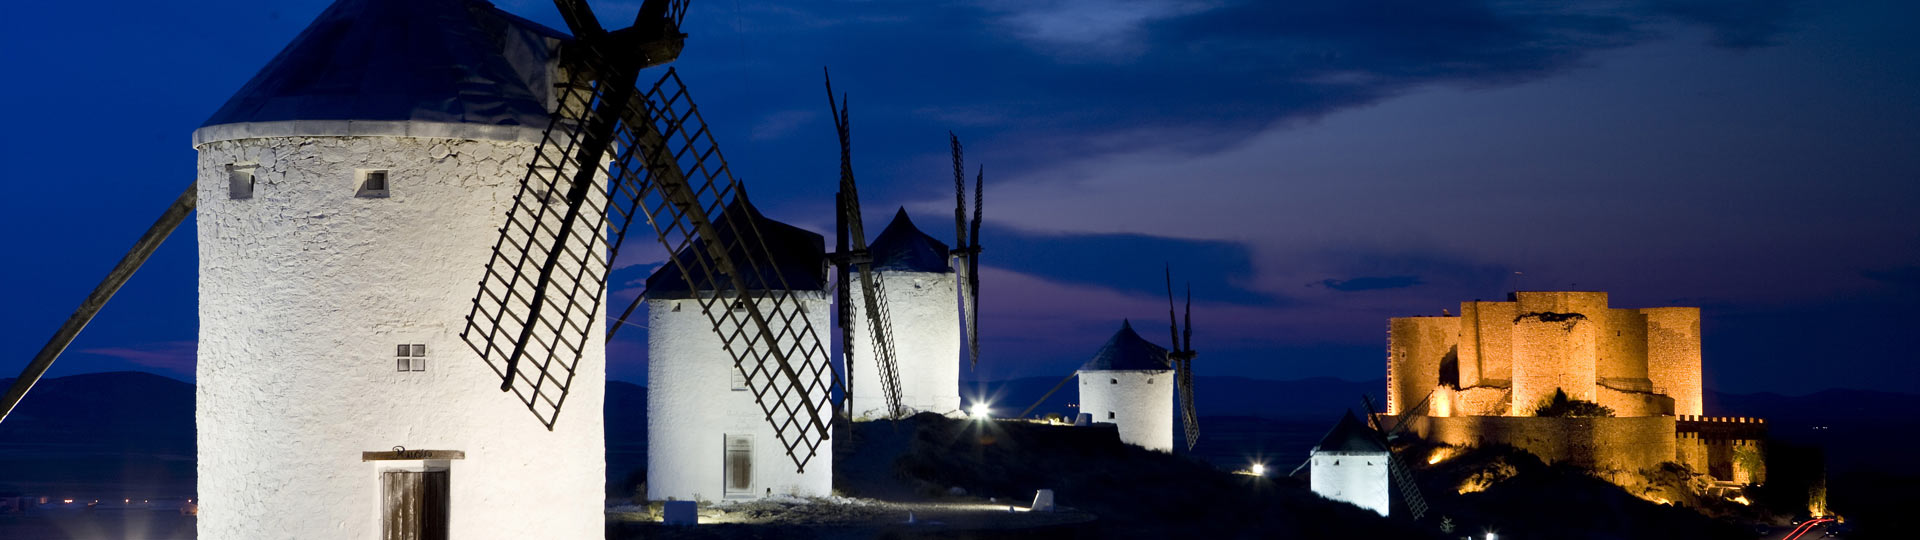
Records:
x=451, y=61
x=1127, y=351
x=798, y=256
x=901, y=246
x=1351, y=435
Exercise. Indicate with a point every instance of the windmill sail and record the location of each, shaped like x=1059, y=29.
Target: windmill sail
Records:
x=968, y=248
x=1181, y=355
x=615, y=154
x=873, y=295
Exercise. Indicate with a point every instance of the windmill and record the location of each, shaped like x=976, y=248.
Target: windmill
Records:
x=852, y=257
x=1181, y=355
x=617, y=150
x=967, y=249
x=1398, y=473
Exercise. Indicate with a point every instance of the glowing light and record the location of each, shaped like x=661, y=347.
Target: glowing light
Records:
x=981, y=410
x=66, y=501
x=1259, y=470
x=1440, y=454
x=1743, y=500
x=1662, y=501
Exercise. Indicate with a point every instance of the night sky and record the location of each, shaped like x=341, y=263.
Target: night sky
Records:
x=1312, y=167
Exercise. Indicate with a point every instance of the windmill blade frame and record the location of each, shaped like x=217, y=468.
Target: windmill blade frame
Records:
x=1181, y=355
x=967, y=247
x=873, y=292
x=666, y=167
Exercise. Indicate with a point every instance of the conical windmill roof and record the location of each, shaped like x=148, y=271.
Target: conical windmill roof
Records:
x=433, y=68
x=1127, y=351
x=1351, y=436
x=798, y=257
x=901, y=246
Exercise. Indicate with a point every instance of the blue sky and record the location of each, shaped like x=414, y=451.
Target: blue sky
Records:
x=1314, y=167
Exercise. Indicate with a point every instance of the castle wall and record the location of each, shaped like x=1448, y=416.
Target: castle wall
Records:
x=1619, y=444
x=1726, y=448
x=1555, y=346
x=1493, y=349
x=1416, y=348
x=925, y=317
x=1673, y=356
x=1623, y=350
x=696, y=401
x=1139, y=403
x=304, y=292
x=1625, y=403
x=1357, y=478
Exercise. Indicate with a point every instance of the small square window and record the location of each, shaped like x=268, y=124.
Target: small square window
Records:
x=240, y=181
x=373, y=183
x=1113, y=381
x=410, y=357
x=1109, y=415
x=738, y=380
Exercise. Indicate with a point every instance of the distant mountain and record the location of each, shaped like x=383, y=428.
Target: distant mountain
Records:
x=101, y=435
x=127, y=411
x=1319, y=398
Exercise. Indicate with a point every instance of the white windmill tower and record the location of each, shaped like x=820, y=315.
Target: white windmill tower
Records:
x=901, y=319
x=351, y=191
x=921, y=298
x=1129, y=383
x=348, y=194
x=1350, y=465
x=707, y=437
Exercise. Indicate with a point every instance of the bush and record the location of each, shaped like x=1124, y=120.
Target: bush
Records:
x=1561, y=406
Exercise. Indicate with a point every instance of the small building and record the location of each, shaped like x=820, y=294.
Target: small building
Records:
x=922, y=300
x=707, y=435
x=1129, y=383
x=1350, y=465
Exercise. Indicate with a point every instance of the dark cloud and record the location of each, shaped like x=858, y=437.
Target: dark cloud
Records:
x=1734, y=25
x=1130, y=263
x=1371, y=283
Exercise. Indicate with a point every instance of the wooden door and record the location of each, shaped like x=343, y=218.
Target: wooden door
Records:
x=415, y=504
x=739, y=465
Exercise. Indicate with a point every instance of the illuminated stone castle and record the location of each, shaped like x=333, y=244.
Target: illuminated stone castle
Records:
x=1504, y=358
x=1481, y=375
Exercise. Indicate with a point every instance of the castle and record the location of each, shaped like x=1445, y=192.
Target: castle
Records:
x=1479, y=377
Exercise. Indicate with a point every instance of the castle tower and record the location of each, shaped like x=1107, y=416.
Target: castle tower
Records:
x=923, y=305
x=1129, y=383
x=350, y=196
x=707, y=436
x=1350, y=465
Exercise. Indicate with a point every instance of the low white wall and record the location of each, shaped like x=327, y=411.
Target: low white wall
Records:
x=1139, y=403
x=692, y=407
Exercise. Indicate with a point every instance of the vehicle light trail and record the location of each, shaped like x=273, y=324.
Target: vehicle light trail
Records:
x=1804, y=528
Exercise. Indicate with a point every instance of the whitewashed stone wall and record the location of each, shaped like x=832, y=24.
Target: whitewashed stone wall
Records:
x=305, y=289
x=1139, y=403
x=692, y=407
x=926, y=344
x=1357, y=478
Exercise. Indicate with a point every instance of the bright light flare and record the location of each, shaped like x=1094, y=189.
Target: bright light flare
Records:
x=1258, y=469
x=981, y=410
